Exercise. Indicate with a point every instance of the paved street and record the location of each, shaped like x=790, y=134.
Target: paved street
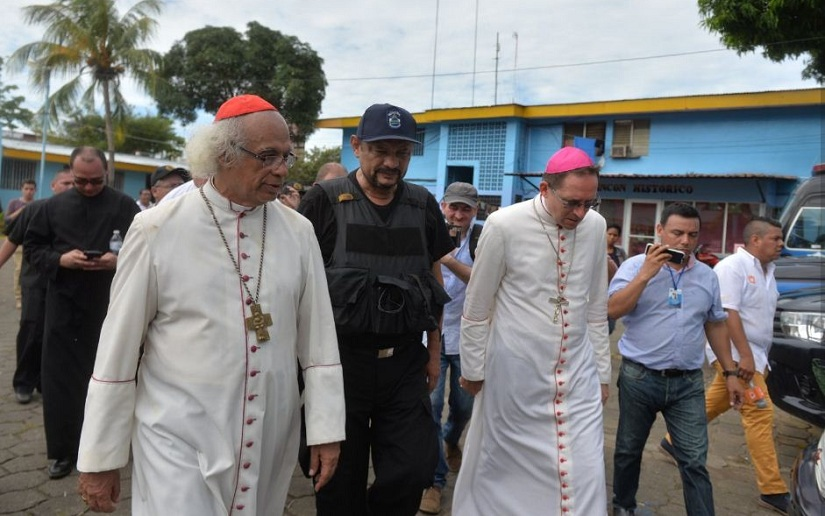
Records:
x=26, y=489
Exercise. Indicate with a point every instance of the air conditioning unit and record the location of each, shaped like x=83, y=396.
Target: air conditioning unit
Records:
x=619, y=151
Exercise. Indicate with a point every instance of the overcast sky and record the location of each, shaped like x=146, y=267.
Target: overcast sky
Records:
x=387, y=51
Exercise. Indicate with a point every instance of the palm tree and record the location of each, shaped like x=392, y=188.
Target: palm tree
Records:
x=90, y=42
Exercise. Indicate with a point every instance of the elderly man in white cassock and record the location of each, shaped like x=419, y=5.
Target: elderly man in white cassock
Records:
x=535, y=352
x=224, y=289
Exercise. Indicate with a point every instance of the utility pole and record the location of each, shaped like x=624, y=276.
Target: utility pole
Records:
x=475, y=51
x=495, y=89
x=435, y=52
x=46, y=109
x=515, y=69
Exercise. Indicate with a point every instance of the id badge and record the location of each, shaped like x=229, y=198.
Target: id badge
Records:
x=674, y=297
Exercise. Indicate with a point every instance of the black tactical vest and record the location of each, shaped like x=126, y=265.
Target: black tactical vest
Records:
x=380, y=276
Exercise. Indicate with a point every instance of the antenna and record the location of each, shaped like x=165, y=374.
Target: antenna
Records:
x=495, y=90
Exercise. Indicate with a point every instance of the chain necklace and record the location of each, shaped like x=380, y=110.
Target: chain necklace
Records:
x=259, y=320
x=561, y=276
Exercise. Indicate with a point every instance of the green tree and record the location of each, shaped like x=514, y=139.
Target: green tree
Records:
x=90, y=42
x=784, y=29
x=306, y=168
x=12, y=111
x=213, y=64
x=145, y=135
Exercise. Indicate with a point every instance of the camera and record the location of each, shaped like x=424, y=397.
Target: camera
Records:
x=676, y=256
x=455, y=234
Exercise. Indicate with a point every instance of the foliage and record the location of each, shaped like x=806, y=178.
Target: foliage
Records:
x=92, y=44
x=11, y=111
x=143, y=135
x=306, y=168
x=783, y=28
x=213, y=64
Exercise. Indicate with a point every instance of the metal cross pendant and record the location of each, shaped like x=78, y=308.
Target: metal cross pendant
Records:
x=559, y=302
x=258, y=321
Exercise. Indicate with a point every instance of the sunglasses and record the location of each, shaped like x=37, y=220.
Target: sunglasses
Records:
x=82, y=181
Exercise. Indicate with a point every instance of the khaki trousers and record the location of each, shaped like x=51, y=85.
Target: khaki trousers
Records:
x=758, y=426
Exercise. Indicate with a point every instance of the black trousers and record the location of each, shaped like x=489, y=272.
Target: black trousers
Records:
x=69, y=348
x=389, y=417
x=30, y=340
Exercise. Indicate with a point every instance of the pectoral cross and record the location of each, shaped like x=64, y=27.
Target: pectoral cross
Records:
x=258, y=321
x=559, y=302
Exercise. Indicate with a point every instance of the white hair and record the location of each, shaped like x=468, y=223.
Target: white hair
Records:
x=211, y=142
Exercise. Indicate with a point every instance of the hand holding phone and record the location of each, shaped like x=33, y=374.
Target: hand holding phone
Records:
x=92, y=254
x=676, y=256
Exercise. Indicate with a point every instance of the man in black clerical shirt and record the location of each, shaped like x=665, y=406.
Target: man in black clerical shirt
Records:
x=68, y=242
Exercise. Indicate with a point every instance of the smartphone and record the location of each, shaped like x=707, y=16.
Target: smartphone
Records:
x=90, y=254
x=676, y=256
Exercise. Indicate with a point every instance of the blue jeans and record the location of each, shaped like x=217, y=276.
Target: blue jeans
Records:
x=681, y=400
x=461, y=408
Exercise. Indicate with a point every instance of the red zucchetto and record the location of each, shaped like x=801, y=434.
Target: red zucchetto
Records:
x=242, y=105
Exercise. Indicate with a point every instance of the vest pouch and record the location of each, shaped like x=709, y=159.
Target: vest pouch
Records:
x=350, y=298
x=434, y=296
x=407, y=304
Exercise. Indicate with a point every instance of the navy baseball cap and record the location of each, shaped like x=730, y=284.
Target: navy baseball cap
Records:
x=386, y=122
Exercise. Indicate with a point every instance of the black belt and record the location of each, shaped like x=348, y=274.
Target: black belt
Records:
x=667, y=373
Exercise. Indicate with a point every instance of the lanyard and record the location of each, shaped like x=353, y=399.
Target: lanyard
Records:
x=676, y=280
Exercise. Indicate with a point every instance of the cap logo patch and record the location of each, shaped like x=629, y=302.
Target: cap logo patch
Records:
x=394, y=119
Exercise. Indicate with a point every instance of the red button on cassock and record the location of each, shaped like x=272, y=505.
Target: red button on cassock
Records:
x=253, y=348
x=242, y=235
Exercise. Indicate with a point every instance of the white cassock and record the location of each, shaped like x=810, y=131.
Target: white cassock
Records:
x=535, y=441
x=214, y=418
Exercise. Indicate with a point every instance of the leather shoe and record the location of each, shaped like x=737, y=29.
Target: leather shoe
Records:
x=453, y=456
x=60, y=468
x=23, y=396
x=431, y=501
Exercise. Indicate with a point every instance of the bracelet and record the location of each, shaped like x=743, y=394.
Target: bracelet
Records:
x=727, y=374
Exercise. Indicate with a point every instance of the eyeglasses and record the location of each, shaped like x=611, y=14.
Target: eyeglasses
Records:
x=82, y=181
x=572, y=205
x=168, y=186
x=272, y=160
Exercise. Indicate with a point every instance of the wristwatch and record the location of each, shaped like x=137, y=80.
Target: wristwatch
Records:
x=726, y=374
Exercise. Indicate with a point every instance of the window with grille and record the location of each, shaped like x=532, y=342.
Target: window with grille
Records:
x=487, y=204
x=482, y=142
x=15, y=171
x=631, y=138
x=592, y=130
x=418, y=148
x=120, y=179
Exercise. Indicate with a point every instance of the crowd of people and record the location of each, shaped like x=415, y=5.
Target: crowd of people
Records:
x=247, y=318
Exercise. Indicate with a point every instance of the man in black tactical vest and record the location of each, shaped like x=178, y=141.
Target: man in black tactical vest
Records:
x=381, y=239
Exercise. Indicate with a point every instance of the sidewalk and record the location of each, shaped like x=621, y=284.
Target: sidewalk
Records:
x=26, y=489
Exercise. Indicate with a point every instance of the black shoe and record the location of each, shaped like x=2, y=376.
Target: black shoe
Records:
x=60, y=468
x=23, y=396
x=776, y=502
x=618, y=511
x=669, y=451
